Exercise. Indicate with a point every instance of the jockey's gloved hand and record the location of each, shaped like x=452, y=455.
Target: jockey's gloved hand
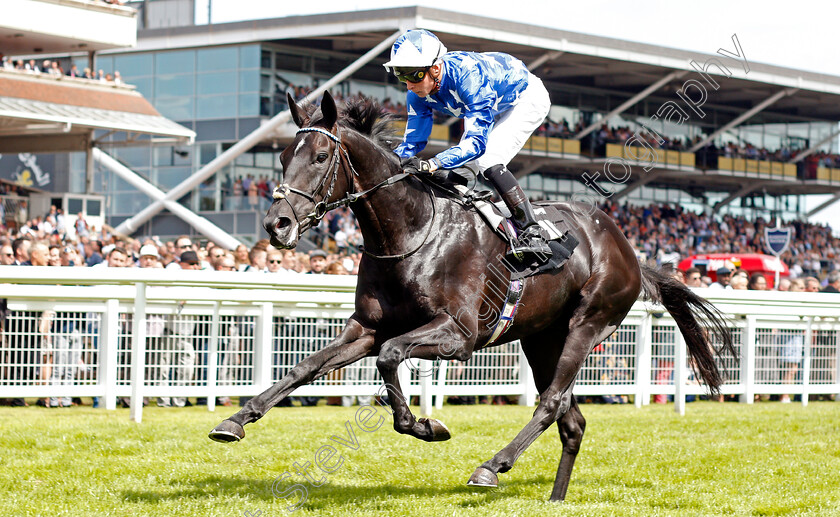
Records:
x=415, y=165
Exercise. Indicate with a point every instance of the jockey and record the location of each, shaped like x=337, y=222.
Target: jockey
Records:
x=501, y=104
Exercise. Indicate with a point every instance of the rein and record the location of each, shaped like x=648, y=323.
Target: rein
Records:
x=321, y=208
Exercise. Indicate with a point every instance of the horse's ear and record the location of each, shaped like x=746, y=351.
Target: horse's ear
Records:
x=328, y=110
x=298, y=115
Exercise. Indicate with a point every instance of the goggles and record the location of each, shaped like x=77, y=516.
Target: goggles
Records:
x=410, y=75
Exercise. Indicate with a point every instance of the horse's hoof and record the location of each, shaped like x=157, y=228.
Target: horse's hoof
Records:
x=440, y=432
x=227, y=431
x=483, y=477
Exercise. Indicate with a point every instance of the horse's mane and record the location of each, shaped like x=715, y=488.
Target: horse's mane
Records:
x=365, y=115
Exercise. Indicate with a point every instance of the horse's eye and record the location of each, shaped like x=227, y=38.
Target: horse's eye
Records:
x=322, y=157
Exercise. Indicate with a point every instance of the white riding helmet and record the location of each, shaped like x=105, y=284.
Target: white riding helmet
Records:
x=417, y=48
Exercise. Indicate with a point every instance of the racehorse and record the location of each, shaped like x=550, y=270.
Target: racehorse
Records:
x=425, y=284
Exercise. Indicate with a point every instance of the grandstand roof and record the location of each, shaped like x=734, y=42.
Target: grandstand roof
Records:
x=597, y=72
x=46, y=114
x=40, y=27
x=592, y=63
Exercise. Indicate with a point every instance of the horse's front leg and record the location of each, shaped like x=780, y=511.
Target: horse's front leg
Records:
x=354, y=343
x=440, y=338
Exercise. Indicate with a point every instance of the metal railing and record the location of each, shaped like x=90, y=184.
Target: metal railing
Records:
x=73, y=332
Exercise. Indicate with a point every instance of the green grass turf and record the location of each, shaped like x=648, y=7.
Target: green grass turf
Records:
x=720, y=459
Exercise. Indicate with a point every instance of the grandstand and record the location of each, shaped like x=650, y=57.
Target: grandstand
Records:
x=715, y=133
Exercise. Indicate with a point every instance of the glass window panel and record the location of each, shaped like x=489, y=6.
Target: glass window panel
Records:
x=291, y=62
x=94, y=207
x=208, y=153
x=220, y=106
x=245, y=159
x=175, y=108
x=77, y=181
x=264, y=160
x=549, y=184
x=144, y=85
x=162, y=156
x=118, y=184
x=265, y=59
x=249, y=81
x=249, y=105
x=77, y=161
x=133, y=157
x=105, y=64
x=265, y=83
x=564, y=186
x=173, y=86
x=169, y=177
x=217, y=59
x=128, y=202
x=216, y=83
x=182, y=155
x=134, y=64
x=286, y=78
x=179, y=62
x=74, y=205
x=249, y=56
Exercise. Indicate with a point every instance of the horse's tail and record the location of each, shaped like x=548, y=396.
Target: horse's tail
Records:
x=700, y=322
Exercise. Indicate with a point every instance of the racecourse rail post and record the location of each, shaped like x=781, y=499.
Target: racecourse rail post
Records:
x=262, y=347
x=806, y=360
x=680, y=372
x=108, y=347
x=426, y=369
x=441, y=384
x=644, y=348
x=526, y=379
x=748, y=360
x=138, y=354
x=213, y=358
x=836, y=362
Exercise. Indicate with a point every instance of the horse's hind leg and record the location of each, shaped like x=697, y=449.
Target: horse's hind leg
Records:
x=571, y=426
x=589, y=325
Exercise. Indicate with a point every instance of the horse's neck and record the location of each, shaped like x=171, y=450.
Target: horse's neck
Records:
x=392, y=218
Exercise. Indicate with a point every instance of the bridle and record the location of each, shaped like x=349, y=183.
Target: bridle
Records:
x=322, y=207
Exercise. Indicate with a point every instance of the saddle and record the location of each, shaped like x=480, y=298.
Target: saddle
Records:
x=498, y=217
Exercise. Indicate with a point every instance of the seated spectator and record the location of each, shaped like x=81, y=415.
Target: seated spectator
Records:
x=723, y=277
x=757, y=282
x=833, y=283
x=317, y=262
x=738, y=283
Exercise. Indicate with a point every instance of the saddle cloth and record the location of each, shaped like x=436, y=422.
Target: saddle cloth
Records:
x=497, y=215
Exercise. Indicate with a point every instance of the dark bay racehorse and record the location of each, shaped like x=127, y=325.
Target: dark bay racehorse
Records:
x=425, y=285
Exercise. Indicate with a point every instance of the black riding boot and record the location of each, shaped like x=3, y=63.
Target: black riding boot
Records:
x=529, y=242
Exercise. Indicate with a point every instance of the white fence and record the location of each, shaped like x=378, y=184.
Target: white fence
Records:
x=71, y=332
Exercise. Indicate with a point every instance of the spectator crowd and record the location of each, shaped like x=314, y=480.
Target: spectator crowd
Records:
x=55, y=68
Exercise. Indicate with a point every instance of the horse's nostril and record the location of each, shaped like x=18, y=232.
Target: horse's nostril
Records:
x=282, y=222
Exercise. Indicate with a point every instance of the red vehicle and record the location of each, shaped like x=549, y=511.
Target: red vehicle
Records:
x=749, y=262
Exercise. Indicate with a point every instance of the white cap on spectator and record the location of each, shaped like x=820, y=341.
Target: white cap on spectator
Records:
x=107, y=249
x=149, y=250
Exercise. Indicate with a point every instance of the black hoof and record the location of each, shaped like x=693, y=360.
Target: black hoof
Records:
x=227, y=432
x=439, y=432
x=483, y=477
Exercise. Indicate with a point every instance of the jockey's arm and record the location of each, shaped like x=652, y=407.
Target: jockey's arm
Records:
x=478, y=122
x=418, y=127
